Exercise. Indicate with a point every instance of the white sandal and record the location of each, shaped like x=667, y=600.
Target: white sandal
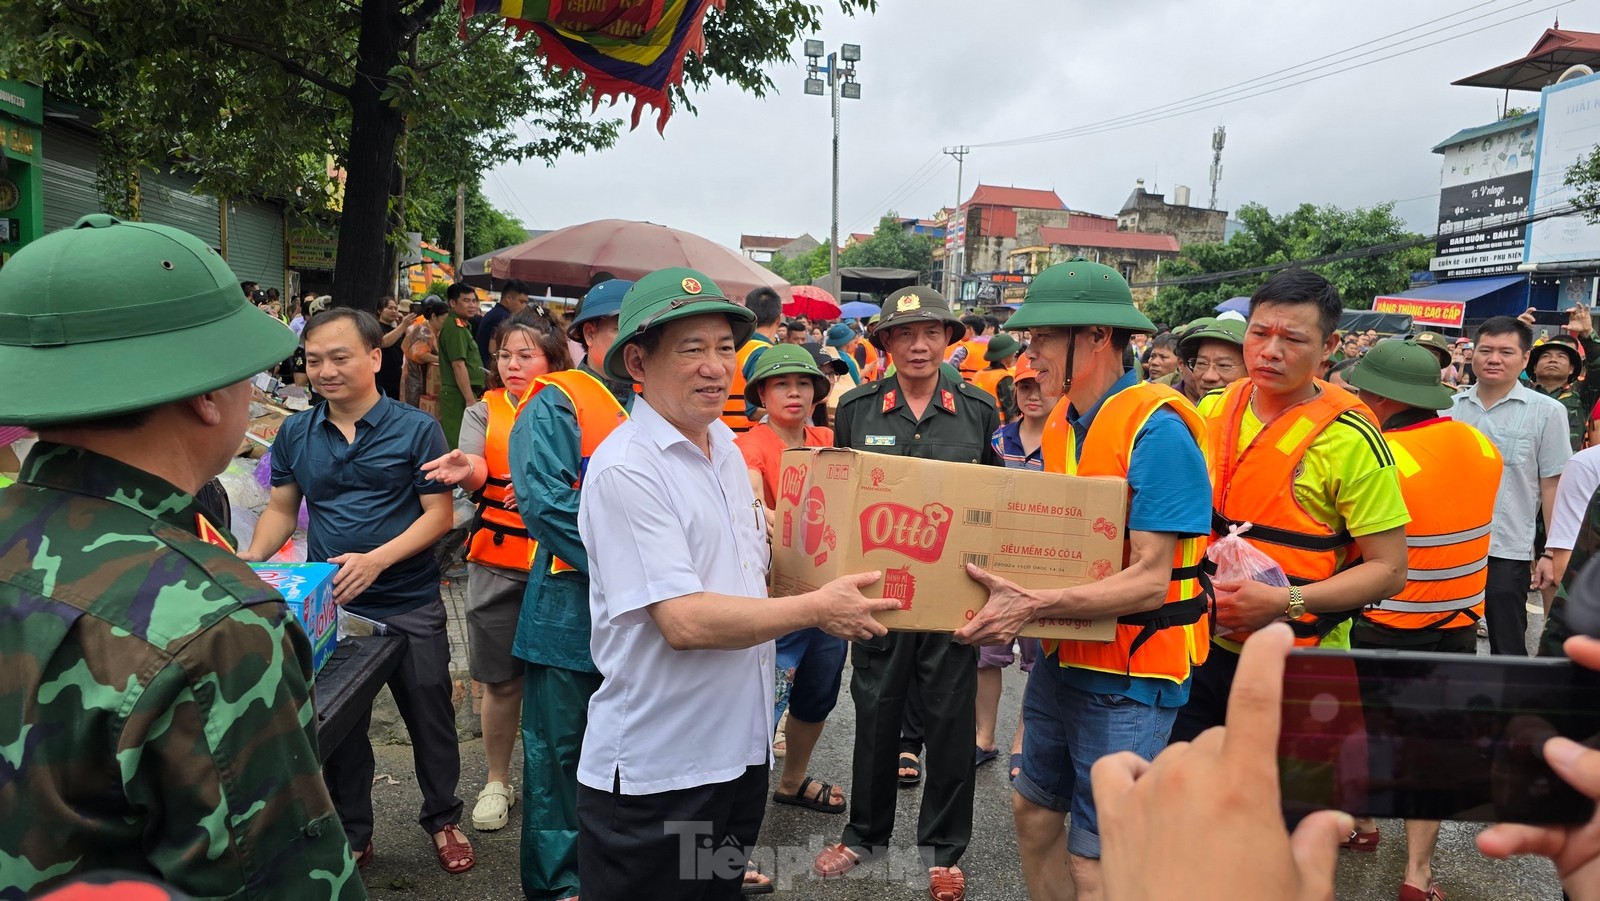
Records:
x=493, y=810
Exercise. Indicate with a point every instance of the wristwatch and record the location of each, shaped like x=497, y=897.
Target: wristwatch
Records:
x=1297, y=604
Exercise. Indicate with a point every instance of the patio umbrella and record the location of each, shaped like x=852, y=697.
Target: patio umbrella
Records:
x=811, y=302
x=1240, y=305
x=619, y=248
x=858, y=309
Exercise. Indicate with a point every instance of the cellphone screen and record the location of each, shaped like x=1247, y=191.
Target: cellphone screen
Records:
x=1433, y=736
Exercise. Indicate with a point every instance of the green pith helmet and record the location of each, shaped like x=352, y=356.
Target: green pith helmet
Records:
x=784, y=359
x=667, y=295
x=112, y=317
x=1229, y=330
x=917, y=304
x=1000, y=347
x=1565, y=343
x=1079, y=293
x=1404, y=371
x=1440, y=345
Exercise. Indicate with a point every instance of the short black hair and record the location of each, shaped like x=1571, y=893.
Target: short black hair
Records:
x=1168, y=340
x=1507, y=325
x=249, y=288
x=517, y=285
x=993, y=322
x=1302, y=286
x=457, y=289
x=793, y=324
x=367, y=325
x=976, y=323
x=766, y=304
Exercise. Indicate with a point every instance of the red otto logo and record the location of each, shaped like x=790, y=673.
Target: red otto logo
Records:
x=816, y=513
x=1106, y=527
x=794, y=478
x=918, y=534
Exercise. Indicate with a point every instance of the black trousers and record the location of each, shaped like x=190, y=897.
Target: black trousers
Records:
x=421, y=689
x=686, y=845
x=1208, y=696
x=945, y=675
x=1505, y=606
x=911, y=723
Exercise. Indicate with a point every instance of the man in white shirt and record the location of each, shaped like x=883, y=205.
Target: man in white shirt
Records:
x=1530, y=431
x=673, y=773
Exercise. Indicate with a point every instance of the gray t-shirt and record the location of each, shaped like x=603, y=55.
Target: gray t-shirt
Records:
x=1531, y=432
x=474, y=434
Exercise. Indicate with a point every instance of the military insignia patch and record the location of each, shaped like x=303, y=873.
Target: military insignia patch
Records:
x=691, y=286
x=888, y=401
x=948, y=399
x=210, y=534
x=909, y=302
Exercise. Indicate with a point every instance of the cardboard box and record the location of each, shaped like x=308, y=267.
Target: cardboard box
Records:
x=266, y=418
x=308, y=589
x=841, y=511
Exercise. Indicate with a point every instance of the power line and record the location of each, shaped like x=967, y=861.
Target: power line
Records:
x=1241, y=91
x=899, y=189
x=1375, y=250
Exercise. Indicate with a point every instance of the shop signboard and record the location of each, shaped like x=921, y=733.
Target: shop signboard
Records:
x=1569, y=129
x=1483, y=201
x=1436, y=313
x=312, y=248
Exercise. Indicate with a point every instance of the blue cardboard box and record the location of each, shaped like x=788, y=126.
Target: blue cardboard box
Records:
x=308, y=589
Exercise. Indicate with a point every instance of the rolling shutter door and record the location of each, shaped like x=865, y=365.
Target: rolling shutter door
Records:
x=168, y=198
x=255, y=242
x=70, y=160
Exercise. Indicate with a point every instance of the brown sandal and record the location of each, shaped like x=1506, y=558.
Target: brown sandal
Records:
x=835, y=860
x=364, y=857
x=455, y=851
x=947, y=884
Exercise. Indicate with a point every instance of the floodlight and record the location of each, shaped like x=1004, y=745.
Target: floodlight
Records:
x=851, y=90
x=814, y=86
x=814, y=48
x=850, y=53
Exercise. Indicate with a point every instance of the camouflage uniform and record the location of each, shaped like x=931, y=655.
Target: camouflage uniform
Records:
x=122, y=745
x=1577, y=414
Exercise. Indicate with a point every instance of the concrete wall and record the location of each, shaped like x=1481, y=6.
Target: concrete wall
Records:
x=991, y=254
x=1150, y=213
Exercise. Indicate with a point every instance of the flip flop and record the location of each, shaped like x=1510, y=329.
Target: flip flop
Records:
x=984, y=755
x=822, y=803
x=915, y=764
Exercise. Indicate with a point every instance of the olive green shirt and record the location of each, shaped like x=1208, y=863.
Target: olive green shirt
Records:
x=955, y=427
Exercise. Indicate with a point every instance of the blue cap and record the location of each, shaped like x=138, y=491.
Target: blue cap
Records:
x=840, y=335
x=604, y=299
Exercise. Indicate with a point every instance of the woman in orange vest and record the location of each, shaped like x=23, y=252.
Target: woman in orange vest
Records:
x=997, y=380
x=499, y=551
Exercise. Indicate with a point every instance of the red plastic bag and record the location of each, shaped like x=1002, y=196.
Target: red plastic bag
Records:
x=1238, y=560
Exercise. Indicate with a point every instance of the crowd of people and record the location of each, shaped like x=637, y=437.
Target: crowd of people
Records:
x=624, y=464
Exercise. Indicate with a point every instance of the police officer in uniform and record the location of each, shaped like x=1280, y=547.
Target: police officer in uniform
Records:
x=916, y=412
x=158, y=716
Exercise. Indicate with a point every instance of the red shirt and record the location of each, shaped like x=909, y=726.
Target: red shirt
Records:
x=763, y=452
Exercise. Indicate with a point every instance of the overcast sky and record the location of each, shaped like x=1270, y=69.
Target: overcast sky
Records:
x=937, y=73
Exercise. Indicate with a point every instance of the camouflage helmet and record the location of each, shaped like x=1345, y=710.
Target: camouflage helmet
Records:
x=1079, y=293
x=176, y=320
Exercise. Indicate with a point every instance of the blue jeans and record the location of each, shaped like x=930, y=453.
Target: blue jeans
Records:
x=810, y=667
x=1067, y=730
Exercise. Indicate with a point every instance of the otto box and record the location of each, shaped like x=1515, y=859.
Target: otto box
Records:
x=841, y=511
x=308, y=589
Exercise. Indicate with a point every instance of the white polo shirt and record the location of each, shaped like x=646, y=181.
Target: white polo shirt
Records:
x=659, y=521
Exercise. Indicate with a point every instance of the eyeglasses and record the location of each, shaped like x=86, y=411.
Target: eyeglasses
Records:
x=1224, y=368
x=526, y=358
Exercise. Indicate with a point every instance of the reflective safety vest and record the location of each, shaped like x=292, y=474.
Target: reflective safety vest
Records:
x=866, y=360
x=1166, y=642
x=974, y=362
x=1449, y=475
x=733, y=409
x=989, y=380
x=1257, y=487
x=598, y=415
x=499, y=537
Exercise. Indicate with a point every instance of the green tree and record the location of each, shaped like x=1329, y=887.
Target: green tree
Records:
x=1303, y=233
x=253, y=97
x=1584, y=177
x=891, y=246
x=803, y=269
x=433, y=209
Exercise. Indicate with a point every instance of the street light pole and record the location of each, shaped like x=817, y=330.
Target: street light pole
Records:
x=841, y=72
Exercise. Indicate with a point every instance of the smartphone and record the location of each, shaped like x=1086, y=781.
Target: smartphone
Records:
x=1429, y=736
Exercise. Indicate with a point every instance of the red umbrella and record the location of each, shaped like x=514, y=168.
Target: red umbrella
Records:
x=811, y=302
x=571, y=257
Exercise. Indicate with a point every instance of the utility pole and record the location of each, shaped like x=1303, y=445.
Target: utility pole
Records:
x=461, y=227
x=952, y=275
x=841, y=71
x=1217, y=138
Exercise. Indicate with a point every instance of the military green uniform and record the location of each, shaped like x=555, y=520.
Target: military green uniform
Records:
x=1577, y=414
x=457, y=343
x=125, y=746
x=939, y=676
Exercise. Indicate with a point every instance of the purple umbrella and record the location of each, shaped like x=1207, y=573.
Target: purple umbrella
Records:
x=1240, y=305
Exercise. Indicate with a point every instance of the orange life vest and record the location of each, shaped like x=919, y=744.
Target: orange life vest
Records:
x=1447, y=541
x=973, y=362
x=733, y=409
x=867, y=362
x=989, y=380
x=499, y=537
x=598, y=415
x=1257, y=486
x=1166, y=642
